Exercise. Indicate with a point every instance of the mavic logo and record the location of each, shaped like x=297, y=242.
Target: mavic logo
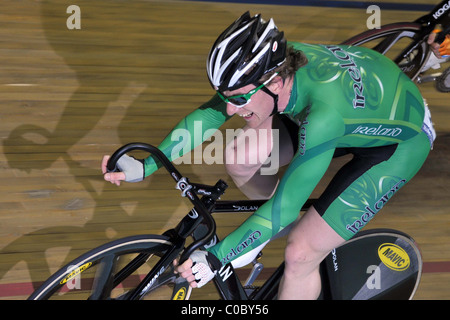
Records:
x=394, y=257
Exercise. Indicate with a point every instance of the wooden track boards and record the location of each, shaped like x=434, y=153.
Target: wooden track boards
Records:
x=67, y=97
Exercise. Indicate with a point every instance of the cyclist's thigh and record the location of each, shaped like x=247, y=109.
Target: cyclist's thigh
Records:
x=285, y=143
x=365, y=184
x=255, y=174
x=276, y=139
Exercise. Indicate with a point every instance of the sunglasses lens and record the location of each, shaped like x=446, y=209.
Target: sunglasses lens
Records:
x=238, y=101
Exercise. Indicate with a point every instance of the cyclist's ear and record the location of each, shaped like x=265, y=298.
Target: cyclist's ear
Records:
x=276, y=84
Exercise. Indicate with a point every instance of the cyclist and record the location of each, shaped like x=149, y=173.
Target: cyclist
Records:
x=441, y=50
x=316, y=102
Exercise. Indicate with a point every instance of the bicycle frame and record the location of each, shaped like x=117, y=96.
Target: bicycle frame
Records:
x=418, y=30
x=435, y=16
x=391, y=253
x=229, y=286
x=227, y=282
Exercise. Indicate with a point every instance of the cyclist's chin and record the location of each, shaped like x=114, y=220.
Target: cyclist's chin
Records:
x=253, y=121
x=258, y=122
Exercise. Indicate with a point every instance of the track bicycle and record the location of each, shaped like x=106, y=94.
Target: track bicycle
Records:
x=406, y=44
x=375, y=264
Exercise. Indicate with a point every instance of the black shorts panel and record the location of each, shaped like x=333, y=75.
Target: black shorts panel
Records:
x=363, y=159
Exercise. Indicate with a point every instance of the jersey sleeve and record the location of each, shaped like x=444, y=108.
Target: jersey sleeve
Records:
x=190, y=132
x=318, y=137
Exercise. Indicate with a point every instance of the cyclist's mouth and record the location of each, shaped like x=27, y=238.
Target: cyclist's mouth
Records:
x=246, y=116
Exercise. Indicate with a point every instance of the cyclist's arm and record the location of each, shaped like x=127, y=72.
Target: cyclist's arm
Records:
x=319, y=138
x=190, y=132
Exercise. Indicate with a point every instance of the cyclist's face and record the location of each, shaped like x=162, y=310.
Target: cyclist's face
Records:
x=256, y=111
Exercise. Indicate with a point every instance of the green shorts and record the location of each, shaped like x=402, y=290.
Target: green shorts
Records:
x=367, y=182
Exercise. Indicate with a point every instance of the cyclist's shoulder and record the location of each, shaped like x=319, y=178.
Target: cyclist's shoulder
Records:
x=214, y=102
x=326, y=59
x=334, y=49
x=214, y=107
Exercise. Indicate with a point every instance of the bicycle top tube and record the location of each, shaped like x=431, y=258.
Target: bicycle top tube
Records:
x=436, y=15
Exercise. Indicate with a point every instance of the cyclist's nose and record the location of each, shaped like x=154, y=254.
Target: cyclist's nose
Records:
x=231, y=109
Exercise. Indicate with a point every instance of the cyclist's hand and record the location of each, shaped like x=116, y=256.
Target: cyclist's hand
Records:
x=185, y=270
x=440, y=50
x=131, y=170
x=444, y=48
x=113, y=177
x=196, y=269
x=434, y=46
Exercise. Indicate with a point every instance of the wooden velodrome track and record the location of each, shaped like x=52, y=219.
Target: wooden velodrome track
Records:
x=67, y=97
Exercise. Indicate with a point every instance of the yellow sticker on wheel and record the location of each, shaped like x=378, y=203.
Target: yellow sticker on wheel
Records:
x=75, y=271
x=394, y=257
x=180, y=295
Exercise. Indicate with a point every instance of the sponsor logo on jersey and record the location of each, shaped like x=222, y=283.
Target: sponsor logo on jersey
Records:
x=359, y=100
x=242, y=246
x=370, y=212
x=379, y=130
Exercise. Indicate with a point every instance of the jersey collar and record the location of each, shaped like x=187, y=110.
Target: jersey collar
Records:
x=293, y=98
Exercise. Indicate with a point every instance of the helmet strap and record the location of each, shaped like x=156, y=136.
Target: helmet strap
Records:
x=275, y=100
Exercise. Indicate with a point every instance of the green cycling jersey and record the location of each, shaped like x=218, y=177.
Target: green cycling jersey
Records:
x=344, y=97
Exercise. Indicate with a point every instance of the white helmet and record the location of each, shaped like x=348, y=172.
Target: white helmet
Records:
x=244, y=52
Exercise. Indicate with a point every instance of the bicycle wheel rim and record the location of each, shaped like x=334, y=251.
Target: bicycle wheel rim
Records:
x=443, y=81
x=385, y=30
x=79, y=267
x=410, y=57
x=364, y=267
